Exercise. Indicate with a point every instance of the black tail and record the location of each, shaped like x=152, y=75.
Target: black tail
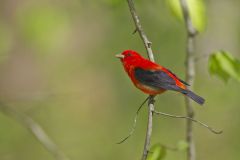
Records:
x=195, y=97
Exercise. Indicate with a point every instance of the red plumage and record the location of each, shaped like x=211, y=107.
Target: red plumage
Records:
x=152, y=78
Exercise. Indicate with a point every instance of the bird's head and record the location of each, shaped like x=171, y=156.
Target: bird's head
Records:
x=129, y=56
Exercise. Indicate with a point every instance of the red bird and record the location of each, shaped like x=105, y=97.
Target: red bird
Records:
x=152, y=78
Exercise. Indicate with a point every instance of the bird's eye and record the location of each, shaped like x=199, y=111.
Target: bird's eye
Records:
x=128, y=54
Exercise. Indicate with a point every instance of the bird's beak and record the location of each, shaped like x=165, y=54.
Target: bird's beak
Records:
x=119, y=56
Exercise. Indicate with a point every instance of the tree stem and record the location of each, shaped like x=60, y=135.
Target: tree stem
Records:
x=190, y=73
x=149, y=127
x=147, y=45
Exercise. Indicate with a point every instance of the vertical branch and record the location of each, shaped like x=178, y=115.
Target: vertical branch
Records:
x=149, y=128
x=36, y=130
x=147, y=45
x=190, y=73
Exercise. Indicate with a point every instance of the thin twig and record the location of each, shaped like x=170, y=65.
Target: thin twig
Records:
x=191, y=119
x=36, y=130
x=147, y=45
x=192, y=32
x=149, y=127
x=134, y=123
x=140, y=30
x=190, y=72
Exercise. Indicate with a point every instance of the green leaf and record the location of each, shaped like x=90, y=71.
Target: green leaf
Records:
x=224, y=65
x=182, y=145
x=157, y=152
x=197, y=12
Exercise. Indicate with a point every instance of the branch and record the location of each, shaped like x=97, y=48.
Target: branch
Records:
x=140, y=30
x=149, y=127
x=190, y=72
x=36, y=130
x=147, y=45
x=192, y=32
x=191, y=119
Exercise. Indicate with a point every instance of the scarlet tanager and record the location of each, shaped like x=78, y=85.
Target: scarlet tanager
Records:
x=152, y=78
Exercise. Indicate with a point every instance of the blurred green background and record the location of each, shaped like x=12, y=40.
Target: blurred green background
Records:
x=57, y=65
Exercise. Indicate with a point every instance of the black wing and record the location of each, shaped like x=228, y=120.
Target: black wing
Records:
x=156, y=79
x=178, y=78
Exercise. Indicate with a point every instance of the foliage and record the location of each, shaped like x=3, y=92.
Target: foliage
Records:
x=182, y=145
x=196, y=10
x=224, y=65
x=157, y=152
